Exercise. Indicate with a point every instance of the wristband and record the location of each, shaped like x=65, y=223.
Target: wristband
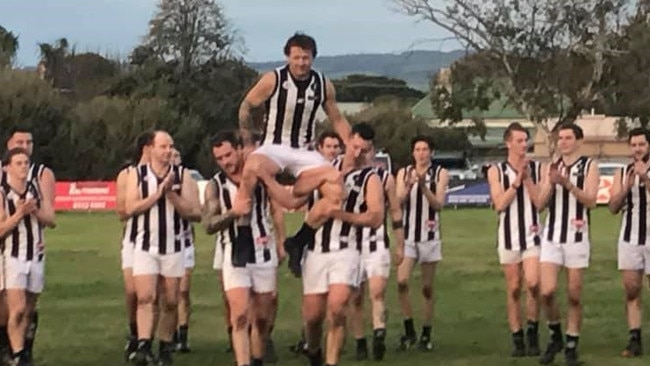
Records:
x=398, y=224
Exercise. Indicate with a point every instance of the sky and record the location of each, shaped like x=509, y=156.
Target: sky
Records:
x=114, y=27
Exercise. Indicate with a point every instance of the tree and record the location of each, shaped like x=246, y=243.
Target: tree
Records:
x=91, y=74
x=54, y=63
x=105, y=129
x=628, y=76
x=549, y=56
x=8, y=47
x=189, y=33
x=366, y=88
x=27, y=101
x=395, y=126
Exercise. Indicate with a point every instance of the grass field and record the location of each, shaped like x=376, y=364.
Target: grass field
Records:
x=83, y=319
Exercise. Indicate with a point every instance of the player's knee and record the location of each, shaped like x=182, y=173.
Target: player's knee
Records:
x=337, y=316
x=18, y=312
x=185, y=296
x=632, y=291
x=573, y=299
x=240, y=321
x=274, y=301
x=403, y=287
x=378, y=295
x=262, y=324
x=427, y=292
x=533, y=287
x=145, y=299
x=514, y=292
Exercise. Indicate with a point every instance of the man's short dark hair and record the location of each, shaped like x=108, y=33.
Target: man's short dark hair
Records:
x=9, y=155
x=422, y=138
x=328, y=135
x=639, y=131
x=229, y=136
x=17, y=129
x=303, y=41
x=577, y=130
x=514, y=126
x=143, y=139
x=364, y=130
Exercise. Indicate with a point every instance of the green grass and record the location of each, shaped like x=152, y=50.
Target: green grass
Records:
x=83, y=318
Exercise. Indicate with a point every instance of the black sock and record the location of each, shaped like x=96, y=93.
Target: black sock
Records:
x=379, y=333
x=409, y=328
x=518, y=337
x=4, y=337
x=133, y=328
x=316, y=358
x=572, y=341
x=19, y=354
x=144, y=344
x=361, y=343
x=257, y=362
x=182, y=332
x=556, y=331
x=635, y=335
x=31, y=332
x=305, y=234
x=426, y=332
x=532, y=327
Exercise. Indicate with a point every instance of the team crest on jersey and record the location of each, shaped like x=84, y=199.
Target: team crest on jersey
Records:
x=286, y=85
x=432, y=225
x=262, y=240
x=578, y=224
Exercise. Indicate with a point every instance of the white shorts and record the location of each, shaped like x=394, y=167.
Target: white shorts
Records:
x=24, y=275
x=569, y=255
x=320, y=270
x=424, y=252
x=374, y=264
x=632, y=257
x=292, y=159
x=517, y=256
x=260, y=279
x=127, y=255
x=217, y=264
x=166, y=265
x=189, y=257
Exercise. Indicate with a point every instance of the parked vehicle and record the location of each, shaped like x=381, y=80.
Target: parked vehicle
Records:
x=457, y=164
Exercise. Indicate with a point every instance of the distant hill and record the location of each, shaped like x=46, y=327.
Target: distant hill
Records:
x=415, y=67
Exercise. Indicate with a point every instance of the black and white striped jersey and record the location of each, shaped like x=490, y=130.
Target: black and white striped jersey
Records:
x=568, y=220
x=25, y=240
x=519, y=226
x=264, y=251
x=421, y=220
x=634, y=223
x=291, y=109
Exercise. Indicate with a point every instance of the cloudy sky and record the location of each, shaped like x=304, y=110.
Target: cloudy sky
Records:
x=115, y=26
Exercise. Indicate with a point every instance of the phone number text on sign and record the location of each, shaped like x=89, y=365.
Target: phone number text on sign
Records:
x=93, y=196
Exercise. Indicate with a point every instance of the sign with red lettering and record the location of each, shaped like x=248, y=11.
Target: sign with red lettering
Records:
x=85, y=196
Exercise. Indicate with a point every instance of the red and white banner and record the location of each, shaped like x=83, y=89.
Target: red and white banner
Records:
x=85, y=196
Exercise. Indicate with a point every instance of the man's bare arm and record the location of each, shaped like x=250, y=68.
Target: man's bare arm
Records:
x=281, y=196
x=619, y=192
x=374, y=215
x=120, y=195
x=395, y=209
x=187, y=203
x=339, y=123
x=437, y=199
x=135, y=205
x=47, y=182
x=256, y=96
x=212, y=217
x=589, y=195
